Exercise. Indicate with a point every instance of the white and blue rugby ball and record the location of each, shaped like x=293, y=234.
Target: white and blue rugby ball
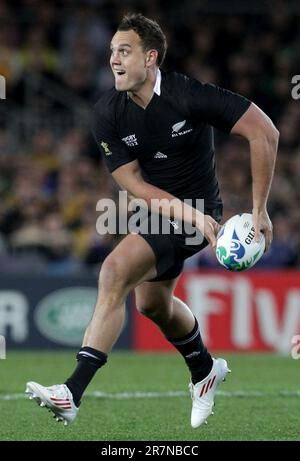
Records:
x=236, y=248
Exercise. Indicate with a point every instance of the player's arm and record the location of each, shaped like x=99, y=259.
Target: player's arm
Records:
x=129, y=177
x=232, y=113
x=263, y=138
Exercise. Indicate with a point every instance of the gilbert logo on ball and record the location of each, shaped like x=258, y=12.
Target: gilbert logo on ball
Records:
x=236, y=248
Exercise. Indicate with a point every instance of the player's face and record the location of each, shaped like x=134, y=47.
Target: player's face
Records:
x=128, y=61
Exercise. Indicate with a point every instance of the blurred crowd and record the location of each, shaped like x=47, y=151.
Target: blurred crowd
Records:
x=52, y=179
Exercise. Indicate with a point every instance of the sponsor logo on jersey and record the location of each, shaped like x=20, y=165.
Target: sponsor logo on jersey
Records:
x=130, y=140
x=177, y=127
x=160, y=155
x=106, y=149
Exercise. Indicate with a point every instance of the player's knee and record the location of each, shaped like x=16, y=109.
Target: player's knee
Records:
x=112, y=274
x=146, y=308
x=153, y=309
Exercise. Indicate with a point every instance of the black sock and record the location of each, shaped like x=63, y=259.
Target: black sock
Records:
x=89, y=360
x=195, y=354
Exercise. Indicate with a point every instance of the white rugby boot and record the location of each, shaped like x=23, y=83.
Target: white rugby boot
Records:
x=57, y=398
x=202, y=393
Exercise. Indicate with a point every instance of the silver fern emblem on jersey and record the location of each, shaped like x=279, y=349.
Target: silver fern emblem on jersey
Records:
x=177, y=127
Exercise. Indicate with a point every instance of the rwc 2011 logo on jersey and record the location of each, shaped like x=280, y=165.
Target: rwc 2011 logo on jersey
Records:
x=130, y=140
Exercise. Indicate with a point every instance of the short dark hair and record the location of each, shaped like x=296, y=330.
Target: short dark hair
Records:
x=150, y=33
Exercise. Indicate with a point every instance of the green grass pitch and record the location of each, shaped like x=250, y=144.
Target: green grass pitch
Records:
x=259, y=401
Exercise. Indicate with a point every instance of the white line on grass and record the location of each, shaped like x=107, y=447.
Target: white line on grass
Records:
x=155, y=395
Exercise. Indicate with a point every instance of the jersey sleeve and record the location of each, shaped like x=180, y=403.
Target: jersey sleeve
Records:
x=214, y=105
x=115, y=152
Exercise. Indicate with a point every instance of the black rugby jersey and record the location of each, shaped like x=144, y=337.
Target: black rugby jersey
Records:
x=172, y=138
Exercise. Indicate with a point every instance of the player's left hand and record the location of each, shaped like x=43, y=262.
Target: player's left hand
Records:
x=211, y=229
x=262, y=223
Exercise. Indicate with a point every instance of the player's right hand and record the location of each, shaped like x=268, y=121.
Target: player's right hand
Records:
x=209, y=228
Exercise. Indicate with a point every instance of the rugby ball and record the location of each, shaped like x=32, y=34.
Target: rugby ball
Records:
x=236, y=248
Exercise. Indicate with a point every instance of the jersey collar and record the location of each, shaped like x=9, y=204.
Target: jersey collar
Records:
x=157, y=83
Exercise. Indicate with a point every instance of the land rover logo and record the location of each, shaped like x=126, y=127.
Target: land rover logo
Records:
x=63, y=315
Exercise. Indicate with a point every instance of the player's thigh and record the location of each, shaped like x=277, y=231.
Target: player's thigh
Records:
x=151, y=297
x=131, y=262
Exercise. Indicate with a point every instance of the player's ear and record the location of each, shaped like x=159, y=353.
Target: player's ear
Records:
x=151, y=57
